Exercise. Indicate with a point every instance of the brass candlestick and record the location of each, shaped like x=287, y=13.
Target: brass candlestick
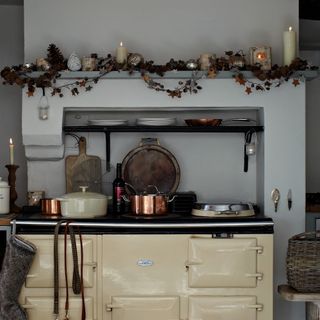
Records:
x=12, y=183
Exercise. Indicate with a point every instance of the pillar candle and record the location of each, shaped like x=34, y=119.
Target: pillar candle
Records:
x=289, y=46
x=204, y=61
x=11, y=149
x=121, y=54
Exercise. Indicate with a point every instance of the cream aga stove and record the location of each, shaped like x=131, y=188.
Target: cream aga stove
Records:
x=211, y=165
x=170, y=268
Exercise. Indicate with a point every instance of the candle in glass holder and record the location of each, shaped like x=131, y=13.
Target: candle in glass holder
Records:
x=261, y=56
x=121, y=54
x=11, y=150
x=289, y=46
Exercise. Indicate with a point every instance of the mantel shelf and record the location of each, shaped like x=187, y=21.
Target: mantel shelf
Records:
x=201, y=129
x=309, y=74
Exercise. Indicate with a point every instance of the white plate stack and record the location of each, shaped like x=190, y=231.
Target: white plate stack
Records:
x=108, y=122
x=156, y=121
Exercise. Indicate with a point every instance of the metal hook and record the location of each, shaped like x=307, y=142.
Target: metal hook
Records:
x=14, y=227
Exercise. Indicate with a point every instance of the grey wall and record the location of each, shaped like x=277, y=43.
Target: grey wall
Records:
x=11, y=53
x=158, y=29
x=313, y=128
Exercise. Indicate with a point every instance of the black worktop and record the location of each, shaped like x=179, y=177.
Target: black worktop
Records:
x=167, y=224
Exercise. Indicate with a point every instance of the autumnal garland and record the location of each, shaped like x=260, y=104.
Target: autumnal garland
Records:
x=22, y=76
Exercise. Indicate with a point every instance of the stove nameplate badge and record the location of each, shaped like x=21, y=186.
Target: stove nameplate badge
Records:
x=145, y=263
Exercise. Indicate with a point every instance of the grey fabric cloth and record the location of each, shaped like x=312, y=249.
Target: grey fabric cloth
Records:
x=16, y=264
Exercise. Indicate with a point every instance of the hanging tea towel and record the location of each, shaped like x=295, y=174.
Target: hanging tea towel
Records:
x=16, y=264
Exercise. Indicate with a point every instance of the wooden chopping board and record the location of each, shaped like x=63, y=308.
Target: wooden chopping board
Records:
x=83, y=170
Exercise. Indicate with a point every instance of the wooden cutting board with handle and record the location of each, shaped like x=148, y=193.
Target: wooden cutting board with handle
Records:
x=83, y=170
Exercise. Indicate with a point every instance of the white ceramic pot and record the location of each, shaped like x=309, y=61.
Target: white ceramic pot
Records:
x=83, y=204
x=4, y=197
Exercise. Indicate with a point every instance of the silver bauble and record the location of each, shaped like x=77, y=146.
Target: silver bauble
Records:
x=134, y=59
x=192, y=64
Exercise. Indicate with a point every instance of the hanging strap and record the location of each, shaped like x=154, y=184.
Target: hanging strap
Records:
x=83, y=311
x=66, y=306
x=78, y=283
x=56, y=270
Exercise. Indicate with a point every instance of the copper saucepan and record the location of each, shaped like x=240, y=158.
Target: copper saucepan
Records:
x=149, y=203
x=50, y=206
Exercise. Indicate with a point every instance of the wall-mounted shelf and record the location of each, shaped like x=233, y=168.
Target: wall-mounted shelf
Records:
x=308, y=74
x=108, y=129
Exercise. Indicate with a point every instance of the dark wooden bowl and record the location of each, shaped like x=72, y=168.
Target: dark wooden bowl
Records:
x=203, y=122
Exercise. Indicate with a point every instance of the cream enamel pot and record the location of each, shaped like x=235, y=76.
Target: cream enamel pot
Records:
x=83, y=204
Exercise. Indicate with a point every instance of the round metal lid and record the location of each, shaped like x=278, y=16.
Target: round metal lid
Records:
x=223, y=210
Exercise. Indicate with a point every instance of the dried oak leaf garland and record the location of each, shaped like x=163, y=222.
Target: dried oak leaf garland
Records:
x=274, y=77
x=21, y=75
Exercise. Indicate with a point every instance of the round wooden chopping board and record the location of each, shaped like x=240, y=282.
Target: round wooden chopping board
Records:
x=151, y=165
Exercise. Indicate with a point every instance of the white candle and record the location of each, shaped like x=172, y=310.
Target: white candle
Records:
x=121, y=54
x=204, y=61
x=289, y=46
x=11, y=149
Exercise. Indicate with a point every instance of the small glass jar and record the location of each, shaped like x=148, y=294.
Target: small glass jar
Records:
x=88, y=63
x=43, y=107
x=4, y=197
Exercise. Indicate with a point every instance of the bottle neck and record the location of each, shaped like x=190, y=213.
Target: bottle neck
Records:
x=119, y=174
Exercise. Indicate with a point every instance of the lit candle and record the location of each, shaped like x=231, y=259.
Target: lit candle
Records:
x=289, y=46
x=11, y=148
x=121, y=54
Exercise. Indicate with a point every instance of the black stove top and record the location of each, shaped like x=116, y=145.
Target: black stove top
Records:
x=171, y=223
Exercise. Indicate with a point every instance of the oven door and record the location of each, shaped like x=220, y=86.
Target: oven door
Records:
x=40, y=307
x=42, y=269
x=144, y=307
x=223, y=307
x=221, y=263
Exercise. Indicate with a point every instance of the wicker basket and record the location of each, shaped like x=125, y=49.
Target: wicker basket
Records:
x=303, y=262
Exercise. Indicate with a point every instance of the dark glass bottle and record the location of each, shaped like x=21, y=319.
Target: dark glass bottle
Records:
x=118, y=191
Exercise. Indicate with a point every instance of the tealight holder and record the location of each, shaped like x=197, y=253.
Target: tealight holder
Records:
x=261, y=56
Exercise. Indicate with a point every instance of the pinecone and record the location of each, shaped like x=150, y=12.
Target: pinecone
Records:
x=55, y=58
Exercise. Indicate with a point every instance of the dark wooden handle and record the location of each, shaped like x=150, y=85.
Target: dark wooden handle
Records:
x=82, y=145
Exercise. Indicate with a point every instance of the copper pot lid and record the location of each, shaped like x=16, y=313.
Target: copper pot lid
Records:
x=151, y=164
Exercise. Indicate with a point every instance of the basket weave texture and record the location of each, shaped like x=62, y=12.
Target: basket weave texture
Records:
x=303, y=262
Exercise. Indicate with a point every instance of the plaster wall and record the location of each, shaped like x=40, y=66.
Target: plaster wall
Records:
x=159, y=30
x=312, y=128
x=11, y=53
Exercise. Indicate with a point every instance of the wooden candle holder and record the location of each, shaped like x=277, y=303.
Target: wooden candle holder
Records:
x=12, y=183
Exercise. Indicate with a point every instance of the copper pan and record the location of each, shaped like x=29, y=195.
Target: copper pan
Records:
x=50, y=206
x=149, y=203
x=206, y=122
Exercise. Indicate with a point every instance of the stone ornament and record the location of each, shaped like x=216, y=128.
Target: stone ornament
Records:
x=74, y=63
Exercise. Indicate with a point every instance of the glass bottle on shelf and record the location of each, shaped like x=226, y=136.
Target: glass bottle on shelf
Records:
x=118, y=191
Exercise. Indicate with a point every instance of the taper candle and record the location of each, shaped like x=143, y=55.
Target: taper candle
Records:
x=289, y=46
x=11, y=149
x=121, y=54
